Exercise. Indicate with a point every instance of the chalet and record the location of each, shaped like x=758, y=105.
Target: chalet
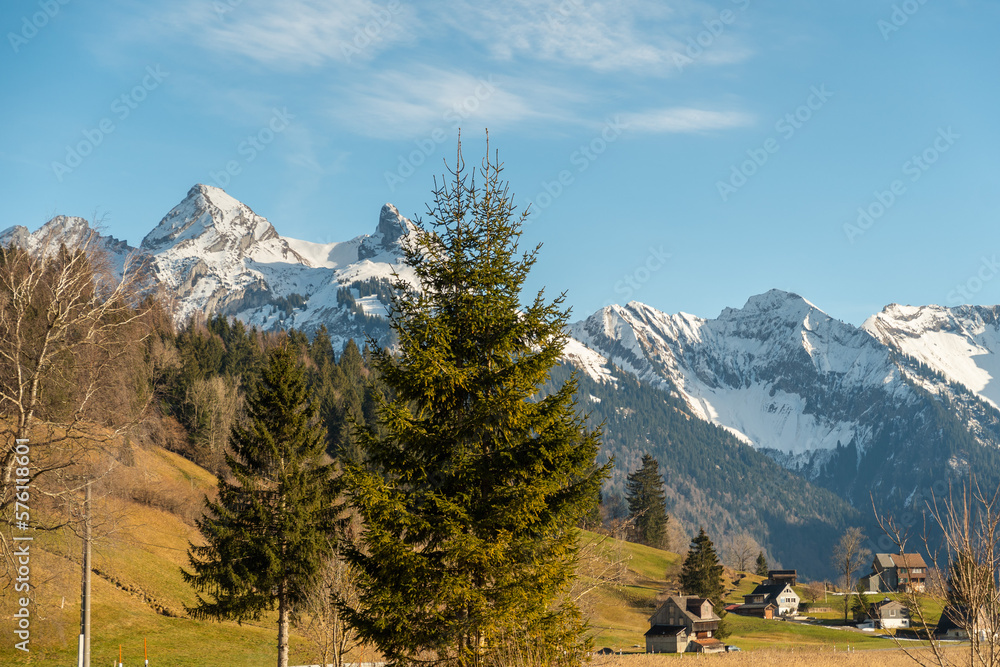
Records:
x=770, y=600
x=889, y=614
x=684, y=623
x=902, y=573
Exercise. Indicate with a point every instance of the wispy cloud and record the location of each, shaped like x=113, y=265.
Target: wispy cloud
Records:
x=685, y=120
x=602, y=36
x=297, y=33
x=645, y=37
x=412, y=102
x=398, y=70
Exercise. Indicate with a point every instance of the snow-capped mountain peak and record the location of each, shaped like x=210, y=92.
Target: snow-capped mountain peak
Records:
x=211, y=220
x=208, y=248
x=753, y=370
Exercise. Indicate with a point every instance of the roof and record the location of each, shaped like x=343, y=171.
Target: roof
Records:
x=947, y=622
x=665, y=630
x=884, y=561
x=887, y=603
x=684, y=603
x=710, y=643
x=781, y=573
x=908, y=560
x=953, y=615
x=771, y=591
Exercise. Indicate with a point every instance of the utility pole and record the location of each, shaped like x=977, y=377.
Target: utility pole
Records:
x=84, y=648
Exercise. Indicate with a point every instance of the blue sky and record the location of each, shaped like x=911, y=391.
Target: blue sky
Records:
x=684, y=154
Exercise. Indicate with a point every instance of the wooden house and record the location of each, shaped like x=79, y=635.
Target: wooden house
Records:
x=684, y=623
x=770, y=600
x=898, y=572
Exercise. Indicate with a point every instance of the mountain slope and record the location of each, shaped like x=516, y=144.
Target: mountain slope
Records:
x=845, y=408
x=713, y=479
x=775, y=373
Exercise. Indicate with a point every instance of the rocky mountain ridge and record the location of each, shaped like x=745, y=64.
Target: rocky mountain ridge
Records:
x=909, y=397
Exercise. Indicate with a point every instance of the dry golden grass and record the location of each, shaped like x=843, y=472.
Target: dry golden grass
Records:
x=787, y=658
x=144, y=512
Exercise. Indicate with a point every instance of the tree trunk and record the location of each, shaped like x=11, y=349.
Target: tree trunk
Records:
x=283, y=614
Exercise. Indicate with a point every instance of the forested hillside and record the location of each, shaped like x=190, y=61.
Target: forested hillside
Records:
x=205, y=365
x=712, y=479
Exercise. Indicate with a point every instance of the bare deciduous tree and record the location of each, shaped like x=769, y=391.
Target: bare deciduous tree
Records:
x=602, y=561
x=964, y=533
x=849, y=554
x=970, y=524
x=71, y=336
x=740, y=550
x=677, y=538
x=325, y=625
x=215, y=402
x=814, y=590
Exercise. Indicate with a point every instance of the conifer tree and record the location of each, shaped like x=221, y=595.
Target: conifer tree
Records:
x=647, y=503
x=701, y=573
x=269, y=531
x=473, y=483
x=761, y=568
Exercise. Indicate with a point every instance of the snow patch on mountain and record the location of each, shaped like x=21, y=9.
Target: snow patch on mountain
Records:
x=71, y=231
x=587, y=360
x=755, y=371
x=961, y=343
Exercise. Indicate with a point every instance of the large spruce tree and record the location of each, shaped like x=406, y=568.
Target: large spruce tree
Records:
x=647, y=503
x=473, y=483
x=271, y=527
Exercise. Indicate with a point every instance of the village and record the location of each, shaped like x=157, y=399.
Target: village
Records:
x=886, y=603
